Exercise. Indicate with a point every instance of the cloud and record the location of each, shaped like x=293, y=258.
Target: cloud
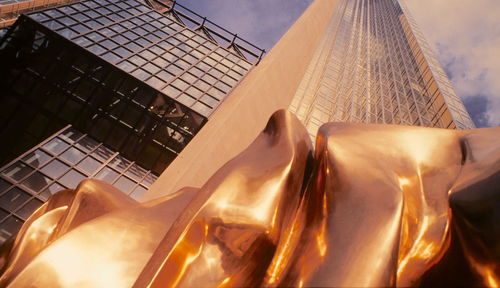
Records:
x=477, y=107
x=261, y=22
x=465, y=36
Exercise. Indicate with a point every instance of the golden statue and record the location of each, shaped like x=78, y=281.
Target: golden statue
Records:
x=370, y=206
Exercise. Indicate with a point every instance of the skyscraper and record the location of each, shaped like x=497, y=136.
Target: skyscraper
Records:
x=138, y=85
x=374, y=66
x=112, y=90
x=348, y=60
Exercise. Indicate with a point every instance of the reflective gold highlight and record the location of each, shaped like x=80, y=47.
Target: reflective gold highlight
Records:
x=373, y=205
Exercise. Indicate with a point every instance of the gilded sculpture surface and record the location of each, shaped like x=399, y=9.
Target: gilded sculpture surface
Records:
x=371, y=205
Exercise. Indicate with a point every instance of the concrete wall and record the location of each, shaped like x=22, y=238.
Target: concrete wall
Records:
x=270, y=86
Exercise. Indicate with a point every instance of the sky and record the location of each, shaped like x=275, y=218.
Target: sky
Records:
x=464, y=34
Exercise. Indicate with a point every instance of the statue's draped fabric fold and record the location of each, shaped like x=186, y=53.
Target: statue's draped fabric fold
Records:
x=371, y=205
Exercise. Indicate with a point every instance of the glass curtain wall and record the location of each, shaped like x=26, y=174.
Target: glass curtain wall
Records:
x=104, y=89
x=61, y=162
x=369, y=68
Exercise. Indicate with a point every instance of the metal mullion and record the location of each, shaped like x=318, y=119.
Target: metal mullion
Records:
x=158, y=124
x=166, y=122
x=39, y=145
x=104, y=164
x=17, y=183
x=164, y=152
x=210, y=30
x=19, y=186
x=164, y=147
x=137, y=53
x=128, y=101
x=420, y=77
x=18, y=107
x=225, y=74
x=36, y=196
x=138, y=183
x=149, y=172
x=133, y=189
x=122, y=173
x=176, y=127
x=58, y=86
x=101, y=84
x=144, y=114
x=187, y=69
x=171, y=124
x=66, y=15
x=89, y=154
x=72, y=166
x=107, y=26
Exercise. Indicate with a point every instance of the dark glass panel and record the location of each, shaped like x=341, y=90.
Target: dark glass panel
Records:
x=107, y=174
x=73, y=155
x=120, y=163
x=87, y=144
x=9, y=228
x=111, y=57
x=117, y=137
x=3, y=185
x=149, y=179
x=72, y=179
x=36, y=181
x=136, y=172
x=101, y=128
x=55, y=169
x=103, y=153
x=56, y=146
x=163, y=161
x=51, y=190
x=89, y=165
x=150, y=153
x=12, y=199
x=37, y=158
x=131, y=115
x=17, y=171
x=3, y=214
x=29, y=208
x=71, y=110
x=124, y=184
x=143, y=97
x=70, y=135
x=138, y=192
